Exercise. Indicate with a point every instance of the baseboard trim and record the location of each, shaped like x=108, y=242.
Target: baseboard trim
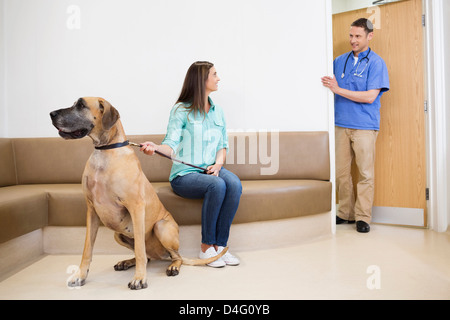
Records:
x=243, y=236
x=398, y=216
x=20, y=252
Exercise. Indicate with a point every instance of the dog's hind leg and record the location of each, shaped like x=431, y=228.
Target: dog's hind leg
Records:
x=167, y=233
x=128, y=243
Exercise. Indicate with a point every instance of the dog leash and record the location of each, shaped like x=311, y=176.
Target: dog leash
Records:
x=168, y=157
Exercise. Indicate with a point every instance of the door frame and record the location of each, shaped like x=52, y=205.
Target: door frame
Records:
x=437, y=142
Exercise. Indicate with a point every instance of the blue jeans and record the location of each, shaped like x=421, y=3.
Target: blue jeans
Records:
x=221, y=200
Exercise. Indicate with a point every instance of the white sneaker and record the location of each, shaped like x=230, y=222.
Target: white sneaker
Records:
x=228, y=258
x=211, y=252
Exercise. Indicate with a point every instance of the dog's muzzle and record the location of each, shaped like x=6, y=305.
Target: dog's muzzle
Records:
x=70, y=124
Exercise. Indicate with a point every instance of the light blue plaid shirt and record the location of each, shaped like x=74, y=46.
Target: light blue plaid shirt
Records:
x=195, y=138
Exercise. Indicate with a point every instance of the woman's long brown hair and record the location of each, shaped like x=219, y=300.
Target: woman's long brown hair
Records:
x=193, y=91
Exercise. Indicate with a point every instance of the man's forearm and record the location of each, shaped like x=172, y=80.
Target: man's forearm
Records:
x=359, y=96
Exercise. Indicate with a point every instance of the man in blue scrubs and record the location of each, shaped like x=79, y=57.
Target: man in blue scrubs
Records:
x=360, y=79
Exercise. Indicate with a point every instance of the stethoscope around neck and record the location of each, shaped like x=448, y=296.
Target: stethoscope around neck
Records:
x=359, y=62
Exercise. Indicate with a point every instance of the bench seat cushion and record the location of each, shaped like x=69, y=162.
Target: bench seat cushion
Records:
x=260, y=201
x=23, y=209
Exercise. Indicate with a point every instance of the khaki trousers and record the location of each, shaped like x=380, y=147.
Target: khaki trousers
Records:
x=358, y=144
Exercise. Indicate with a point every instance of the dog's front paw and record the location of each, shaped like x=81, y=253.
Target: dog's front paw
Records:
x=137, y=284
x=125, y=264
x=76, y=280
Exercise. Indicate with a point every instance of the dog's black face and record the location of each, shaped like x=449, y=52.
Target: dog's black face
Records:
x=74, y=122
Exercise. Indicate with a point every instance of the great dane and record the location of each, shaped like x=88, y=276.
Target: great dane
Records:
x=119, y=194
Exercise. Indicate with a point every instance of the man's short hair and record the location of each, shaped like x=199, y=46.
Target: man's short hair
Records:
x=365, y=24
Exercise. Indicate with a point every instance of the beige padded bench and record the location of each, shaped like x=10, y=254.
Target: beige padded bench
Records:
x=284, y=175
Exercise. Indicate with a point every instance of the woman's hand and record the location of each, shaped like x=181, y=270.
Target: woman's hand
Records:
x=149, y=148
x=214, y=169
x=220, y=160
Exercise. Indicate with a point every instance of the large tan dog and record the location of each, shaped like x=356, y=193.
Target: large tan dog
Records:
x=118, y=194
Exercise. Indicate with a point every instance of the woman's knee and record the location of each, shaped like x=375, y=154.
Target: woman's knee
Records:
x=217, y=185
x=233, y=183
x=236, y=186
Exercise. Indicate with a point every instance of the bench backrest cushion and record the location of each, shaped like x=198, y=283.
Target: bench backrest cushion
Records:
x=252, y=156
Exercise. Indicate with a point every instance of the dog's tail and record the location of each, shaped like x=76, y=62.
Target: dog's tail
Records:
x=198, y=262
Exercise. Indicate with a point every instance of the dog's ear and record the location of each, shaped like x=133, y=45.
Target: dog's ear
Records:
x=110, y=114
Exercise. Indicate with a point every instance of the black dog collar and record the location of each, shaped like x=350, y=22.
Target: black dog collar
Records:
x=113, y=146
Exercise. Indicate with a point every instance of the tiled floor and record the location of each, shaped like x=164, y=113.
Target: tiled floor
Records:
x=387, y=263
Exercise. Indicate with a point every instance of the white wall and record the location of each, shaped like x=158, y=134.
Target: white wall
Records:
x=269, y=54
x=350, y=5
x=3, y=113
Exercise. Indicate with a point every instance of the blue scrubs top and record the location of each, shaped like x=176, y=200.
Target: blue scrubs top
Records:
x=366, y=74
